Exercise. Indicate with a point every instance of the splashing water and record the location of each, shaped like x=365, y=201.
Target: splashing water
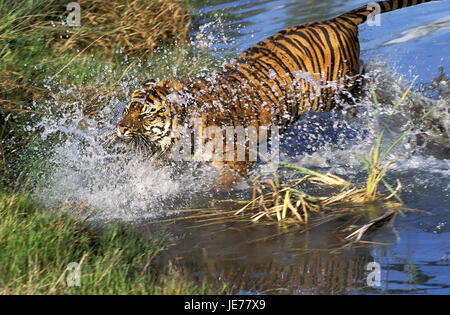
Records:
x=88, y=172
x=86, y=175
x=118, y=184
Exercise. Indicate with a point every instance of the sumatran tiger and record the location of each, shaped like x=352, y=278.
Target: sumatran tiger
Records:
x=305, y=67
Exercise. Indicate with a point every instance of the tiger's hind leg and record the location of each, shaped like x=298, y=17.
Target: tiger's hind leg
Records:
x=360, y=80
x=348, y=98
x=358, y=89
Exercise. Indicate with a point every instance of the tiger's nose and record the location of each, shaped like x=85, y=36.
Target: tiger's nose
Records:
x=121, y=129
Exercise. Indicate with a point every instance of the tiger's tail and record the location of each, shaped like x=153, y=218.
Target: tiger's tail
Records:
x=362, y=14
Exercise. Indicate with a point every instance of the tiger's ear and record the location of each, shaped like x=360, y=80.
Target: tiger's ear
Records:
x=149, y=84
x=169, y=84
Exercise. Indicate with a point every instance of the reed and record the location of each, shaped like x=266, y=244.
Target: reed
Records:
x=375, y=161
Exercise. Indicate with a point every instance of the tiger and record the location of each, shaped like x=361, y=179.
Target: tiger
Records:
x=301, y=68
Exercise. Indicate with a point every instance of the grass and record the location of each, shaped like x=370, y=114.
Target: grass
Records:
x=38, y=246
x=134, y=26
x=37, y=55
x=375, y=161
x=33, y=49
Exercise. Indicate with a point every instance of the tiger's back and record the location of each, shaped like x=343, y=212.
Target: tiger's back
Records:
x=295, y=70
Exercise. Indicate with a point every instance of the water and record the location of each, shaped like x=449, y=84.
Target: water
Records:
x=412, y=254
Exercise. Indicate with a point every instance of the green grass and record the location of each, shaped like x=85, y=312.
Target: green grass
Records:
x=30, y=53
x=38, y=246
x=375, y=161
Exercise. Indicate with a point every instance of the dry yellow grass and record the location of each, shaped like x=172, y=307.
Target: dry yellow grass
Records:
x=131, y=27
x=280, y=202
x=135, y=27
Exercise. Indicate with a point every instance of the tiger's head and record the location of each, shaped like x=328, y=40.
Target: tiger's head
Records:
x=149, y=118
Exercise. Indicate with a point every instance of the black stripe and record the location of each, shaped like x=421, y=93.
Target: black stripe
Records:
x=318, y=42
x=306, y=52
x=273, y=100
x=291, y=75
x=300, y=66
x=309, y=38
x=239, y=92
x=262, y=64
x=287, y=39
x=330, y=48
x=269, y=54
x=353, y=41
x=323, y=92
x=315, y=59
x=219, y=97
x=343, y=49
x=348, y=20
x=236, y=70
x=383, y=6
